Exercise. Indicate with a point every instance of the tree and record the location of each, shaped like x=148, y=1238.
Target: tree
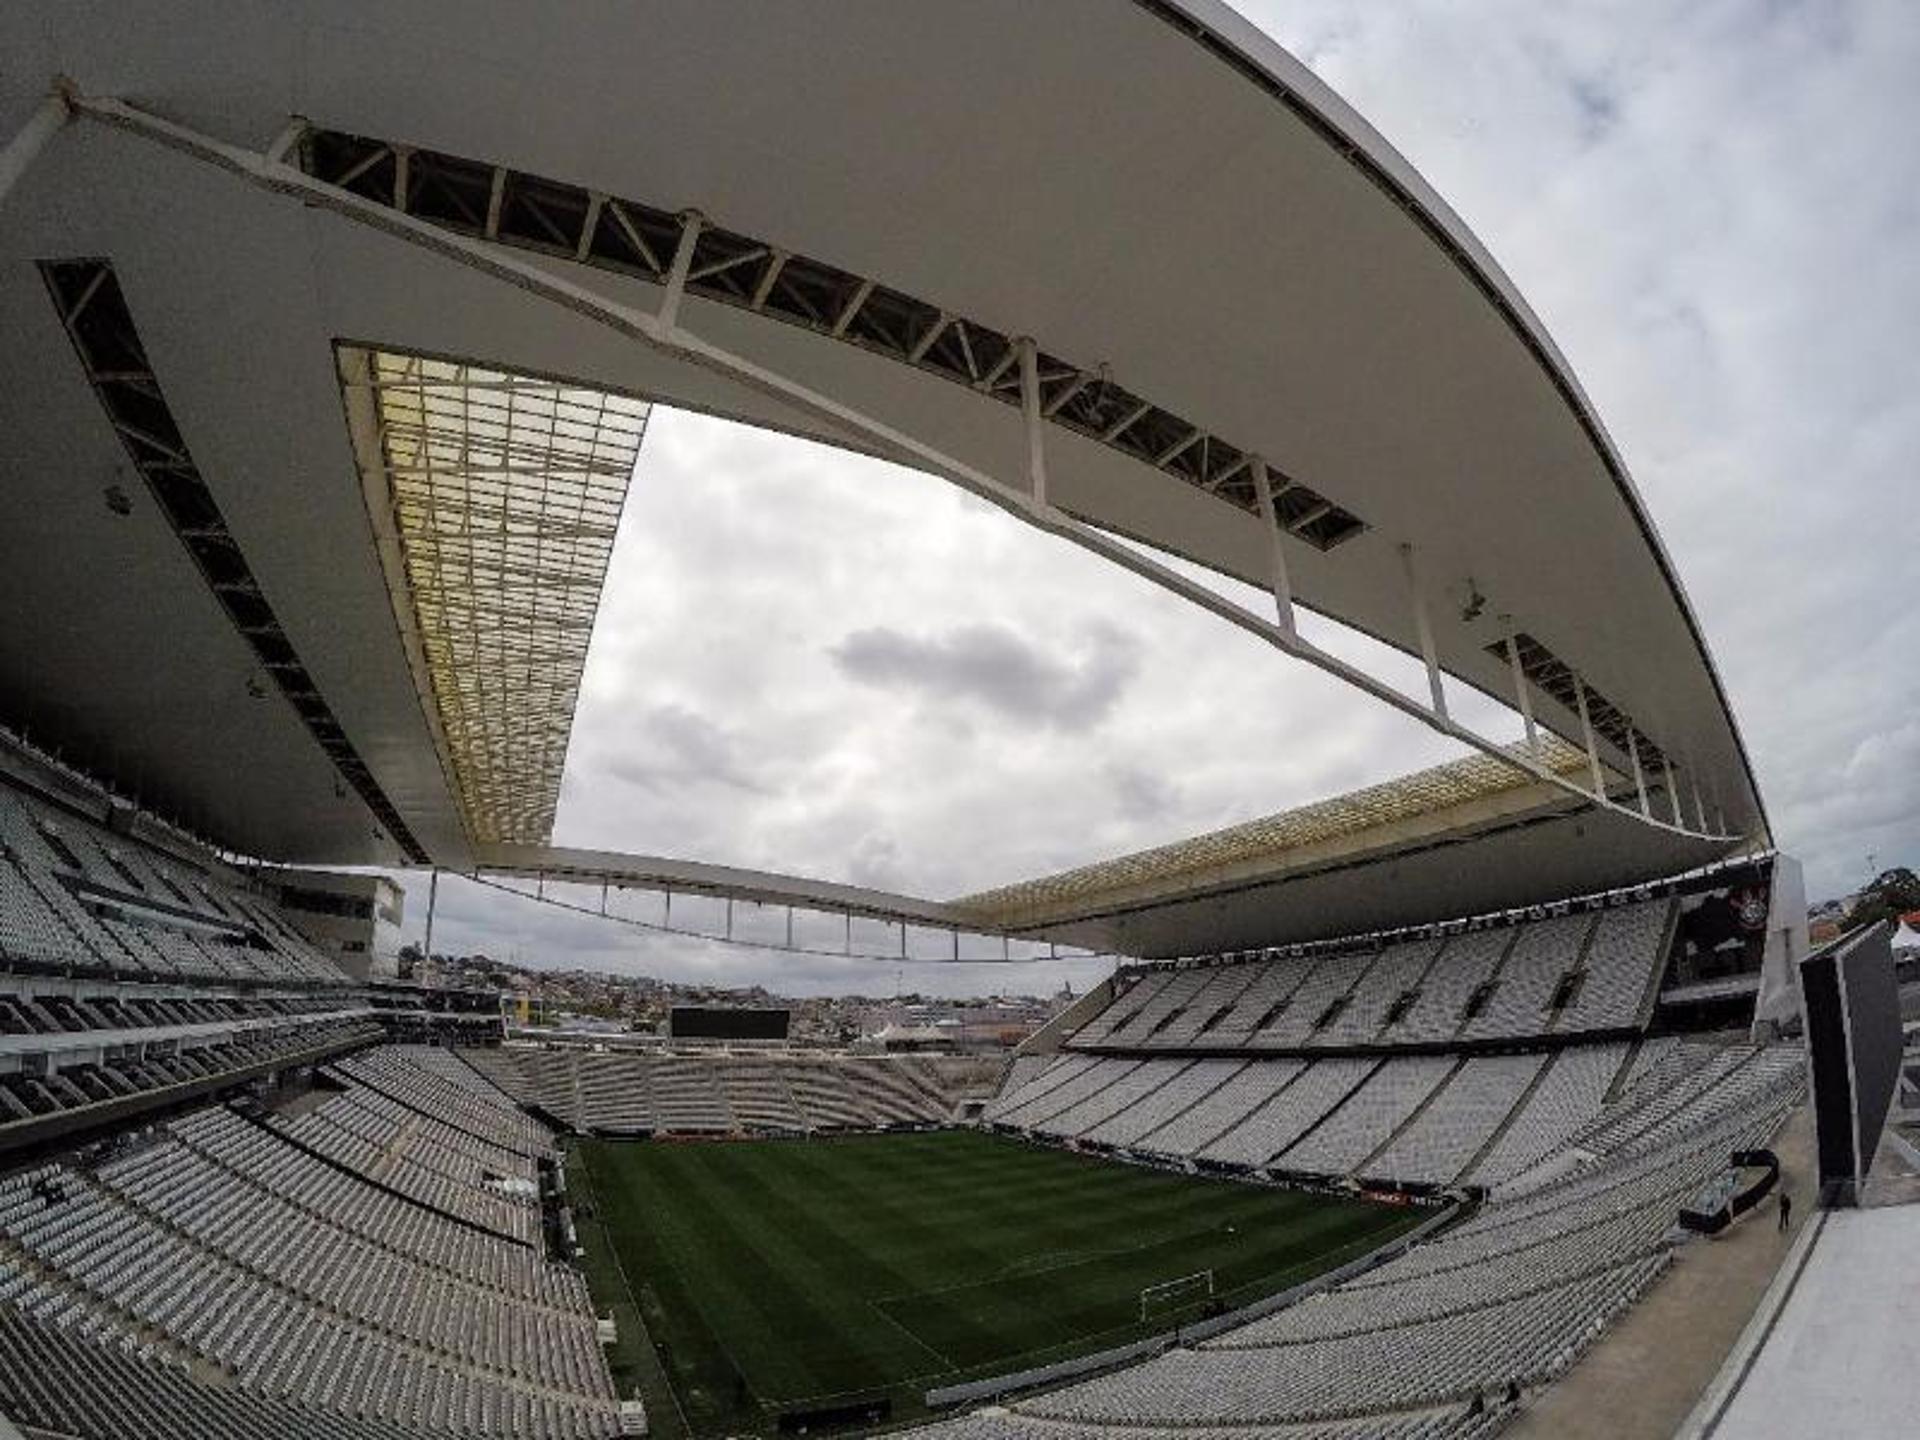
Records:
x=1892, y=894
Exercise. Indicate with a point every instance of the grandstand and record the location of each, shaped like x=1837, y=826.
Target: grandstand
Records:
x=639, y=1094
x=329, y=352
x=1579, y=1217
x=346, y=1283
x=238, y=1199
x=1593, y=972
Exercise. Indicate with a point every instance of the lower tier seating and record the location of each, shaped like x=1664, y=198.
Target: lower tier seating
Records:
x=1412, y=1120
x=1433, y=1343
x=317, y=1293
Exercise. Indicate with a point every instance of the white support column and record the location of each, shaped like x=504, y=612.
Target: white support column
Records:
x=1673, y=792
x=1276, y=553
x=1424, y=628
x=776, y=262
x=589, y=225
x=1522, y=696
x=288, y=140
x=852, y=307
x=1699, y=805
x=1639, y=775
x=433, y=898
x=1719, y=809
x=1586, y=734
x=31, y=138
x=669, y=311
x=1030, y=411
x=497, y=197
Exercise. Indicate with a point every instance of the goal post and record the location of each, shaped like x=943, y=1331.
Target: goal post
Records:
x=1173, y=1295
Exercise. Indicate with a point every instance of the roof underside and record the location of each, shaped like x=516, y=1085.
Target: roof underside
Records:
x=1468, y=838
x=1352, y=824
x=1215, y=257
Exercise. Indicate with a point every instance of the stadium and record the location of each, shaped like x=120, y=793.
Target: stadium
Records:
x=1454, y=1105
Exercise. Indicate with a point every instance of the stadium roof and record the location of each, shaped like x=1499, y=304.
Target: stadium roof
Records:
x=495, y=499
x=1385, y=856
x=1254, y=332
x=1327, y=827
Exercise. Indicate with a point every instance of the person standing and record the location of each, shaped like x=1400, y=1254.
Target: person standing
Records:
x=1786, y=1209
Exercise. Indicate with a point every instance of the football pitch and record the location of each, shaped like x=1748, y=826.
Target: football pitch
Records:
x=779, y=1275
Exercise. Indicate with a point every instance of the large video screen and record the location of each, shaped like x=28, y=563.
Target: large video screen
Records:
x=714, y=1022
x=1854, y=1040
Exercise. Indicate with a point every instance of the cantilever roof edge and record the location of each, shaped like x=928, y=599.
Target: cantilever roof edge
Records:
x=1241, y=44
x=695, y=877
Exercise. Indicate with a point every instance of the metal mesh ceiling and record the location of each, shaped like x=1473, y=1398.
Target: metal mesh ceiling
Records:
x=504, y=492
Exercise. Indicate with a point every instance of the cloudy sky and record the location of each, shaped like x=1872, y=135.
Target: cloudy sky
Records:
x=815, y=663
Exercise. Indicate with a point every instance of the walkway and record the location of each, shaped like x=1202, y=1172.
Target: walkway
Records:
x=1646, y=1373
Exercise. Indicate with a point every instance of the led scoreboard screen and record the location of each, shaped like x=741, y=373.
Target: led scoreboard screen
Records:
x=714, y=1022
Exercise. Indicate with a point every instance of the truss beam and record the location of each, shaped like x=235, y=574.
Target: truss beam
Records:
x=1278, y=579
x=648, y=329
x=1423, y=627
x=768, y=279
x=1522, y=695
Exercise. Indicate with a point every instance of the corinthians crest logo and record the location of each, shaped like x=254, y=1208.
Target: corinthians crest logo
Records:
x=1750, y=907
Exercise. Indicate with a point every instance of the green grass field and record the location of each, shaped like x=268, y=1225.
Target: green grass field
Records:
x=776, y=1274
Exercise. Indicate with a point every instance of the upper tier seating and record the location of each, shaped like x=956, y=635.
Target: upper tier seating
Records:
x=1592, y=970
x=75, y=898
x=99, y=1051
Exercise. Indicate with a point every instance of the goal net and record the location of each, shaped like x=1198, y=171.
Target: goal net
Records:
x=1171, y=1296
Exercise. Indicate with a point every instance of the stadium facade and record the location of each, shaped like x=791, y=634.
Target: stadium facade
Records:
x=331, y=341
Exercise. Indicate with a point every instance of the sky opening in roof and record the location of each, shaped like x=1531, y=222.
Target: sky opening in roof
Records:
x=815, y=662
x=1738, y=304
